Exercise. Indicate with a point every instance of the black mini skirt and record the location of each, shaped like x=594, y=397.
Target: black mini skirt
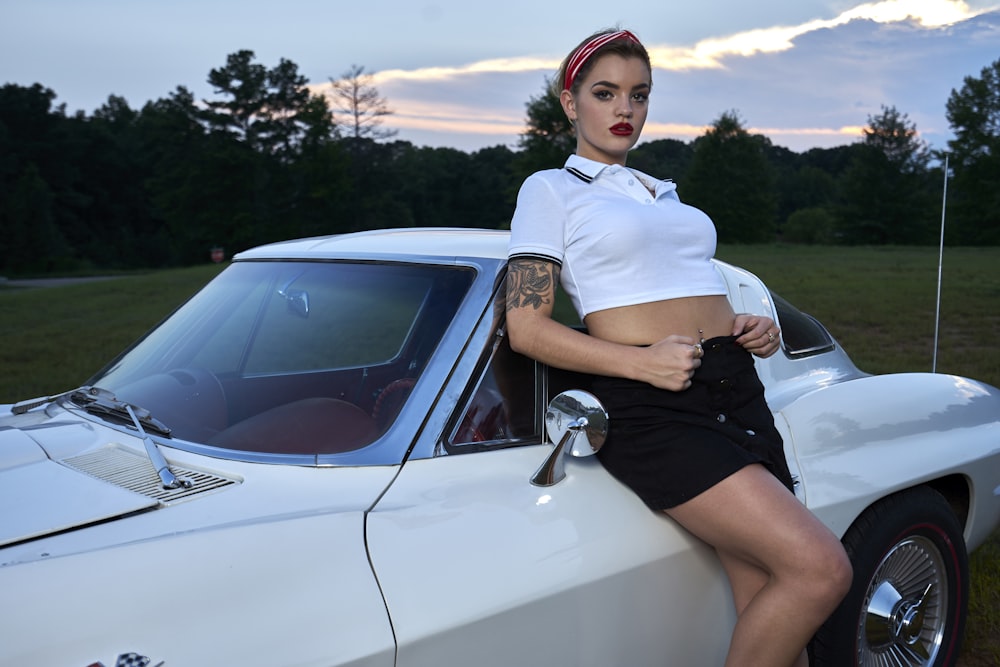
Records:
x=668, y=446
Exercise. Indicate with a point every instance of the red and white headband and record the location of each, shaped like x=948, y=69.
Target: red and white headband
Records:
x=583, y=54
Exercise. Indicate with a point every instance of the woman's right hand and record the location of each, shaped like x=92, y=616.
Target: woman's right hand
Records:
x=672, y=362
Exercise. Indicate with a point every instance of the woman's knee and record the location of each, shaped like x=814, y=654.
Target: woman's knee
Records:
x=830, y=572
x=843, y=576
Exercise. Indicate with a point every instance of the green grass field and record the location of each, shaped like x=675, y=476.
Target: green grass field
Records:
x=878, y=302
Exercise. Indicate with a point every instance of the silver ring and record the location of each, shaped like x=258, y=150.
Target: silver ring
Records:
x=700, y=350
x=770, y=337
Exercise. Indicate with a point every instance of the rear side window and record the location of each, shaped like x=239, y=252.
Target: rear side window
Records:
x=801, y=334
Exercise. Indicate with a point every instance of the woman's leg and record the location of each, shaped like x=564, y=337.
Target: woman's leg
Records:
x=787, y=570
x=746, y=580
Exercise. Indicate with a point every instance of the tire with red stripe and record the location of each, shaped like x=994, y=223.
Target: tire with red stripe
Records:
x=908, y=603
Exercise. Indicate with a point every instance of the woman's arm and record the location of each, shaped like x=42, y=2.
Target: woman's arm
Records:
x=531, y=289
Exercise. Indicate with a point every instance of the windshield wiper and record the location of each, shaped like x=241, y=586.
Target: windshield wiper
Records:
x=167, y=478
x=103, y=403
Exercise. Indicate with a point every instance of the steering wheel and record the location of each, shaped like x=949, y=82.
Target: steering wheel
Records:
x=391, y=398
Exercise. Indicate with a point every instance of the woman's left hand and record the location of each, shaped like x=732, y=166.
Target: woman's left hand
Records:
x=758, y=335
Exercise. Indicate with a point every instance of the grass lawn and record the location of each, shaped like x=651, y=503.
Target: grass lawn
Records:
x=878, y=302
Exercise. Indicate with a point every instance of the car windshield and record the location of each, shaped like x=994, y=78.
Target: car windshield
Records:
x=279, y=357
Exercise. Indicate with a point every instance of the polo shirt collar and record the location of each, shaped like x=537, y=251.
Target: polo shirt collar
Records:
x=583, y=168
x=588, y=170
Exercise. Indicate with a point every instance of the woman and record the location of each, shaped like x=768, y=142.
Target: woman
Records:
x=690, y=431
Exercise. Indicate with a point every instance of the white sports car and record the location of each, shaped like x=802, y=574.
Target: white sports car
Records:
x=330, y=456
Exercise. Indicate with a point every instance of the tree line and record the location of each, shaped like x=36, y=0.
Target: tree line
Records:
x=266, y=160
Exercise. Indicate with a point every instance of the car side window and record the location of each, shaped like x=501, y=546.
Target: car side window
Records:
x=506, y=404
x=801, y=334
x=502, y=409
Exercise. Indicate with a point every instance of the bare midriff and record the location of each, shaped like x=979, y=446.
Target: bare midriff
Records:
x=644, y=324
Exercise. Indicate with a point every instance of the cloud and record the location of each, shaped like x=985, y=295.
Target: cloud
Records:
x=812, y=84
x=495, y=65
x=824, y=90
x=419, y=115
x=709, y=53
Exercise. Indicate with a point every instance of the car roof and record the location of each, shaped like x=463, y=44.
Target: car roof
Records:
x=413, y=242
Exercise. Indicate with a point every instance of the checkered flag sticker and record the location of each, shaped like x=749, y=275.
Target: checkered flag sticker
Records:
x=133, y=660
x=130, y=660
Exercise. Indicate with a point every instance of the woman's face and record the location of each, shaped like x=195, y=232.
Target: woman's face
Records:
x=609, y=108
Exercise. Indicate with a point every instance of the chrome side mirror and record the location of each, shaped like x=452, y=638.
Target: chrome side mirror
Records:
x=577, y=424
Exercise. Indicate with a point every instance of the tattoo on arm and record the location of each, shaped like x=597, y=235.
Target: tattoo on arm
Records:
x=531, y=282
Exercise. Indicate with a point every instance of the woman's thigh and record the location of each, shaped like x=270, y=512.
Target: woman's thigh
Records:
x=751, y=516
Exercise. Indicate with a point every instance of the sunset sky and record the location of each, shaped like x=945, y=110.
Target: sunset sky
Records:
x=458, y=73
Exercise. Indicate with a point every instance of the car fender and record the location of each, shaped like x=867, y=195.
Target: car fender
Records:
x=857, y=441
x=222, y=595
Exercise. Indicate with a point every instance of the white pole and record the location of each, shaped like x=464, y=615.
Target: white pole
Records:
x=937, y=312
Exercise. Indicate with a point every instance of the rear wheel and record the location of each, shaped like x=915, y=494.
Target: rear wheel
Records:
x=907, y=605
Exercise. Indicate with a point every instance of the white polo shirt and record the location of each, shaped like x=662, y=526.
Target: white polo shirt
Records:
x=618, y=243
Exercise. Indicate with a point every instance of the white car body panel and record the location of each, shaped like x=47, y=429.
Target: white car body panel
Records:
x=872, y=436
x=34, y=510
x=263, y=593
x=588, y=582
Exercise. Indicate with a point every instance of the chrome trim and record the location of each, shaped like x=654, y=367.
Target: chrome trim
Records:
x=167, y=478
x=429, y=441
x=580, y=422
x=903, y=622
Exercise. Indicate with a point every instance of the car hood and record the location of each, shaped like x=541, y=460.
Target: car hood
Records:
x=61, y=474
x=41, y=496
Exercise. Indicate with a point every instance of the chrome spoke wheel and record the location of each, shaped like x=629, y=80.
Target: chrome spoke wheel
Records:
x=907, y=604
x=902, y=622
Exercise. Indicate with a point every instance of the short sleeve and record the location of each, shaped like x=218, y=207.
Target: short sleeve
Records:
x=539, y=223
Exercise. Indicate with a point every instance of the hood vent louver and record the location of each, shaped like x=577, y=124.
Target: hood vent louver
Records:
x=124, y=468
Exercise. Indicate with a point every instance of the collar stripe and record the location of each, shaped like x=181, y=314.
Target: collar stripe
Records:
x=586, y=178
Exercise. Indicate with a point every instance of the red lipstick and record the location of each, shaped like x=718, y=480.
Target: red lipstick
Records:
x=622, y=129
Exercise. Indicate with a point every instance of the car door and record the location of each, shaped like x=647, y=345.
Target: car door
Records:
x=478, y=566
